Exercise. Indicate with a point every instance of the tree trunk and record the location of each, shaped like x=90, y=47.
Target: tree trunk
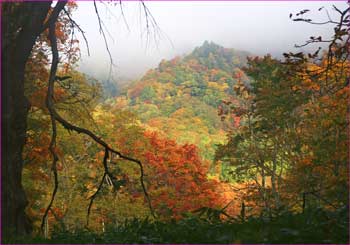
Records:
x=273, y=181
x=22, y=23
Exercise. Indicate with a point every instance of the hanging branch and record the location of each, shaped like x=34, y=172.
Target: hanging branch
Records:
x=92, y=198
x=55, y=117
x=49, y=97
x=123, y=15
x=100, y=23
x=106, y=176
x=99, y=141
x=151, y=23
x=80, y=30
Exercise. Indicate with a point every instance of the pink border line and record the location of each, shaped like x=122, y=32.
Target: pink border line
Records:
x=2, y=1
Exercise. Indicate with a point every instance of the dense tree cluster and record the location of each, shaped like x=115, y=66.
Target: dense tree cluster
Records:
x=180, y=97
x=291, y=146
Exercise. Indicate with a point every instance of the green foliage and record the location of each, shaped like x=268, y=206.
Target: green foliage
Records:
x=286, y=151
x=289, y=139
x=214, y=56
x=180, y=98
x=316, y=226
x=147, y=94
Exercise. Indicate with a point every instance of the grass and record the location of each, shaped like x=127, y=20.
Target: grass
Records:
x=315, y=226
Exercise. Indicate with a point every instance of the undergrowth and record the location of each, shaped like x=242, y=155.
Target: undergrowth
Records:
x=314, y=226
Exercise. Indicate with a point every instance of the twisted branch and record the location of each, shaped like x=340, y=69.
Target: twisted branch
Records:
x=55, y=117
x=92, y=198
x=49, y=97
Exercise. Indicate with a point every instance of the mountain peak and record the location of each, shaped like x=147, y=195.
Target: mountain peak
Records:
x=206, y=48
x=213, y=55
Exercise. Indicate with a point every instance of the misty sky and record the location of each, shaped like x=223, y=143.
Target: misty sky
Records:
x=257, y=27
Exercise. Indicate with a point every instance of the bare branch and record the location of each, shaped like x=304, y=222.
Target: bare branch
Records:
x=115, y=17
x=49, y=97
x=123, y=15
x=80, y=30
x=336, y=9
x=315, y=23
x=98, y=140
x=100, y=22
x=92, y=198
x=55, y=117
x=312, y=41
x=337, y=47
x=151, y=24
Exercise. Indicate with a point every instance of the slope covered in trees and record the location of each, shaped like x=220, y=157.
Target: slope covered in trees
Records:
x=176, y=170
x=181, y=96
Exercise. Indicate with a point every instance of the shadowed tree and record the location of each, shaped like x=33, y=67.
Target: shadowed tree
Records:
x=22, y=25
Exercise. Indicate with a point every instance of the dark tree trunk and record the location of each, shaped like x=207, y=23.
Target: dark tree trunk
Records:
x=21, y=25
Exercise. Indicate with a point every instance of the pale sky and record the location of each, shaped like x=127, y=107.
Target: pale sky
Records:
x=254, y=26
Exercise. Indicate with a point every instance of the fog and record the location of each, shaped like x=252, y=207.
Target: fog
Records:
x=257, y=27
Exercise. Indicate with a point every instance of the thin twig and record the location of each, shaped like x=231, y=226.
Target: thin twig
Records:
x=92, y=198
x=122, y=11
x=80, y=30
x=100, y=22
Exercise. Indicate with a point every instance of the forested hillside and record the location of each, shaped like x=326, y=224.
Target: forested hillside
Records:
x=169, y=120
x=215, y=146
x=180, y=98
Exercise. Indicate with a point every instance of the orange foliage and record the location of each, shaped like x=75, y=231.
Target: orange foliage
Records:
x=178, y=182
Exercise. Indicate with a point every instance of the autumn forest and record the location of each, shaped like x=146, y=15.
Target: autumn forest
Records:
x=217, y=145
